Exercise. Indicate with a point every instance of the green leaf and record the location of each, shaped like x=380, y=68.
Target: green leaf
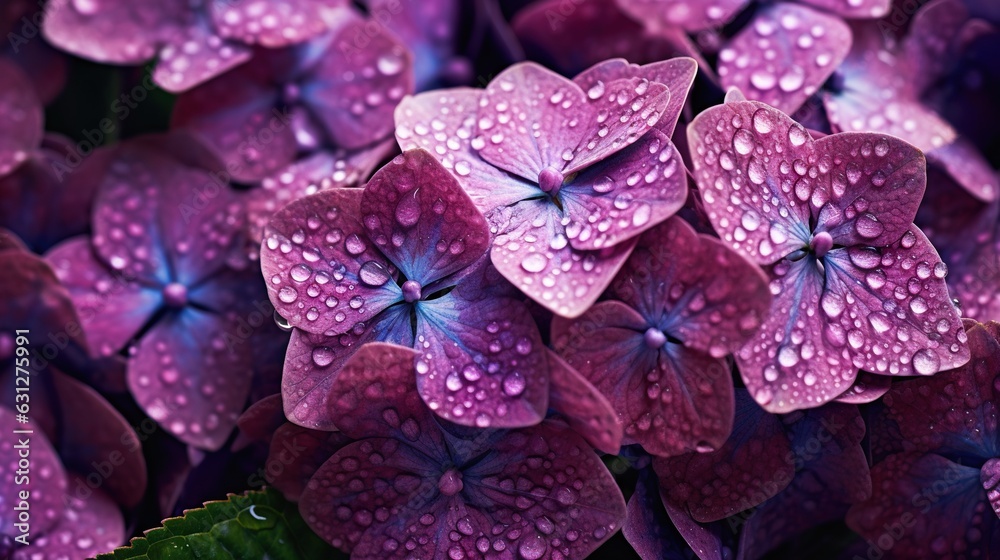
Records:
x=255, y=526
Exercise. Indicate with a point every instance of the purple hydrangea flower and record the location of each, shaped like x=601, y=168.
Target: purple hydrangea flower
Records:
x=657, y=348
x=411, y=486
x=880, y=89
x=940, y=491
x=326, y=94
x=397, y=261
x=154, y=280
x=856, y=285
x=191, y=42
x=567, y=176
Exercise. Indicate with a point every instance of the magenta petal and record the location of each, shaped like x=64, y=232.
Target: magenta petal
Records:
x=190, y=378
x=990, y=477
x=87, y=528
x=422, y=220
x=712, y=310
x=301, y=452
x=624, y=194
x=770, y=219
x=968, y=167
x=481, y=363
x=691, y=15
x=676, y=73
x=933, y=505
x=236, y=116
x=856, y=9
x=531, y=119
x=650, y=530
x=670, y=399
x=46, y=492
x=807, y=46
x=112, y=306
x=276, y=24
x=314, y=251
x=22, y=132
x=925, y=409
x=341, y=498
x=874, y=190
x=573, y=504
x=195, y=55
x=112, y=32
x=535, y=256
x=105, y=439
x=260, y=420
x=867, y=388
x=353, y=90
x=809, y=363
x=443, y=122
x=583, y=406
x=902, y=298
x=751, y=467
x=375, y=396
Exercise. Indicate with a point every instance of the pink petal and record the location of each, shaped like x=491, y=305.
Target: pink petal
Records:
x=807, y=46
x=867, y=388
x=300, y=452
x=696, y=15
x=88, y=527
x=856, y=9
x=193, y=55
x=443, y=122
x=46, y=493
x=113, y=32
x=276, y=24
x=583, y=406
x=23, y=116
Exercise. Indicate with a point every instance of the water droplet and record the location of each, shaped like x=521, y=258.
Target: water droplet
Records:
x=797, y=134
x=868, y=226
x=408, y=210
x=926, y=362
x=743, y=141
x=534, y=262
x=374, y=274
x=322, y=356
x=763, y=121
x=288, y=294
x=756, y=172
x=514, y=384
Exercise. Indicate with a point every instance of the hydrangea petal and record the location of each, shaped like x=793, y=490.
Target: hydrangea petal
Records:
x=375, y=396
x=831, y=474
x=111, y=305
x=353, y=91
x=312, y=362
x=953, y=412
x=933, y=505
x=194, y=55
x=691, y=16
x=624, y=194
x=189, y=378
x=676, y=73
x=314, y=251
x=901, y=320
x=807, y=362
x=274, y=25
x=990, y=477
x=87, y=528
x=574, y=504
x=671, y=400
x=968, y=167
x=711, y=309
x=421, y=219
x=47, y=492
x=22, y=111
x=583, y=406
x=344, y=502
x=867, y=388
x=784, y=55
x=531, y=119
x=481, y=363
x=237, y=117
x=771, y=218
x=533, y=254
x=648, y=528
x=751, y=467
x=105, y=435
x=301, y=452
x=428, y=29
x=876, y=184
x=111, y=32
x=443, y=122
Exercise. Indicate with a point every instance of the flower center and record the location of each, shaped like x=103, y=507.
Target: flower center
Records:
x=450, y=482
x=411, y=291
x=654, y=337
x=821, y=244
x=549, y=180
x=175, y=294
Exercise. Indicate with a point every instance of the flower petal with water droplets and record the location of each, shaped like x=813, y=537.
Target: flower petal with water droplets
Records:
x=277, y=24
x=47, y=492
x=22, y=112
x=583, y=406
